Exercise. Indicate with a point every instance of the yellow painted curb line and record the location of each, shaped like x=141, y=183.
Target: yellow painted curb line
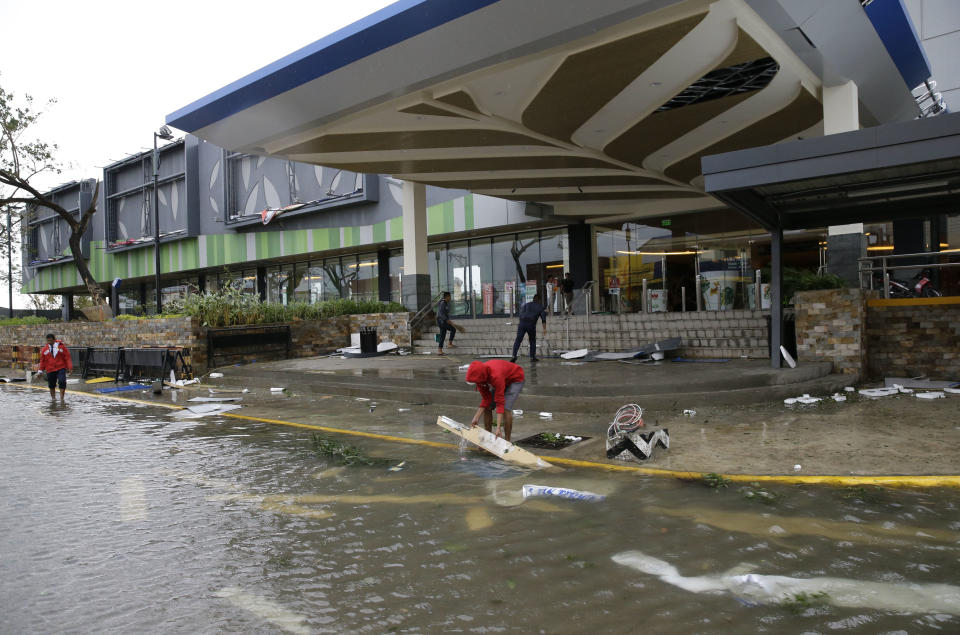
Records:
x=840, y=481
x=912, y=301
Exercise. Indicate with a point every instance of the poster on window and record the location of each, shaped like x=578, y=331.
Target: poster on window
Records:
x=488, y=298
x=509, y=296
x=530, y=290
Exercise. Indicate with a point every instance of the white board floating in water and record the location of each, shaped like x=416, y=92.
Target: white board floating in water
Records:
x=492, y=443
x=577, y=354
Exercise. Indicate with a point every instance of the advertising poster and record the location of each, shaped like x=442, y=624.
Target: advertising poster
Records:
x=509, y=295
x=530, y=291
x=488, y=298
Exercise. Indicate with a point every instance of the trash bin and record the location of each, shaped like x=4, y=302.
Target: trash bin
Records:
x=368, y=339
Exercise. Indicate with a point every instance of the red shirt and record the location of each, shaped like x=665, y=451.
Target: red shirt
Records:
x=52, y=363
x=492, y=379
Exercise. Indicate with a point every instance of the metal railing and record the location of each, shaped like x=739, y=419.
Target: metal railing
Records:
x=876, y=270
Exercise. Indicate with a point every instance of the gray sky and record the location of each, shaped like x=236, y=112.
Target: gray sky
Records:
x=117, y=68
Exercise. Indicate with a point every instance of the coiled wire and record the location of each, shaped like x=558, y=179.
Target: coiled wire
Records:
x=627, y=419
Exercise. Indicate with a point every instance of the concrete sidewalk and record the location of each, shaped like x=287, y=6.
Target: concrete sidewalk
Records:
x=740, y=426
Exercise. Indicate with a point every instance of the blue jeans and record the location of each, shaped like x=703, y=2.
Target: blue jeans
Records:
x=444, y=327
x=530, y=330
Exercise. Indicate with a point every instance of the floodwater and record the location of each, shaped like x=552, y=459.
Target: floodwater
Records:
x=118, y=517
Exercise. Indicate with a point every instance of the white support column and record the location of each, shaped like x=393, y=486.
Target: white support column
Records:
x=845, y=243
x=841, y=108
x=415, y=283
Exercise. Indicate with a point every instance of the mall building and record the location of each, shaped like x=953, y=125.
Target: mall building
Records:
x=488, y=147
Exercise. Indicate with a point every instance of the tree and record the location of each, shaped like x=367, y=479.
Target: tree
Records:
x=21, y=161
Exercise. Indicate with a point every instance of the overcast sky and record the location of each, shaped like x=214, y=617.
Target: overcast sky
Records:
x=117, y=68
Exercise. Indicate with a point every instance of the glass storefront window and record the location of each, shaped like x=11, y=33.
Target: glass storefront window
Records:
x=300, y=284
x=525, y=252
x=364, y=284
x=313, y=279
x=504, y=276
x=333, y=287
x=461, y=290
x=555, y=261
x=278, y=281
x=481, y=276
x=396, y=275
x=625, y=258
x=439, y=273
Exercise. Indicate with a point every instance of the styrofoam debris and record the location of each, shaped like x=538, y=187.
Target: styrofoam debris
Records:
x=790, y=401
x=797, y=467
x=403, y=409
x=464, y=367
x=546, y=415
x=277, y=389
x=900, y=388
x=572, y=438
x=849, y=389
x=838, y=397
x=930, y=395
x=690, y=413
x=807, y=399
x=953, y=391
x=216, y=375
x=878, y=392
x=562, y=492
x=518, y=413
x=361, y=399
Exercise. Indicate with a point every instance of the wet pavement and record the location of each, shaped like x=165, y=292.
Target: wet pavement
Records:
x=401, y=396
x=122, y=516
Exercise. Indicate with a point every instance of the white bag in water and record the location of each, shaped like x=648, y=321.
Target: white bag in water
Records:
x=562, y=492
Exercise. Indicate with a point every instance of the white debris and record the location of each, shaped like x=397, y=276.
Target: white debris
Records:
x=807, y=399
x=838, y=397
x=572, y=439
x=930, y=395
x=361, y=399
x=561, y=492
x=216, y=375
x=546, y=415
x=403, y=409
x=900, y=388
x=464, y=367
x=518, y=413
x=689, y=413
x=277, y=389
x=797, y=467
x=878, y=392
x=849, y=389
x=953, y=391
x=790, y=401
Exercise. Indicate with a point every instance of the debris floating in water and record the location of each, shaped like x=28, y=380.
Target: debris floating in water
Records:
x=797, y=467
x=546, y=415
x=561, y=492
x=838, y=397
x=216, y=375
x=277, y=389
x=689, y=413
x=930, y=395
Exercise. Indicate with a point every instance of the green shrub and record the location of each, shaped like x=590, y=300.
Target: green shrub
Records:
x=804, y=280
x=30, y=319
x=232, y=307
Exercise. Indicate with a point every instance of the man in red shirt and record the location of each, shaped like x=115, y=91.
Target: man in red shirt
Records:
x=500, y=383
x=55, y=361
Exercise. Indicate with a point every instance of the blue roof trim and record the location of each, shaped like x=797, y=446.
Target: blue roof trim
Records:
x=892, y=23
x=391, y=25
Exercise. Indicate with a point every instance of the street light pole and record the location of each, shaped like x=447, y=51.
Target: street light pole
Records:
x=165, y=134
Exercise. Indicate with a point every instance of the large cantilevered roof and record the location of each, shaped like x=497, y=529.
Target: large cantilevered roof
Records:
x=601, y=109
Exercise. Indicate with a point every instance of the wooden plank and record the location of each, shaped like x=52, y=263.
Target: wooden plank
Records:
x=492, y=443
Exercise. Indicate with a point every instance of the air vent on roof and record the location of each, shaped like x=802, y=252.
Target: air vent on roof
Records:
x=731, y=80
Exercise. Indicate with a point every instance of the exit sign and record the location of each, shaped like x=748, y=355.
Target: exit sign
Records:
x=665, y=223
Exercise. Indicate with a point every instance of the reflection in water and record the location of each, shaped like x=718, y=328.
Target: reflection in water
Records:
x=128, y=520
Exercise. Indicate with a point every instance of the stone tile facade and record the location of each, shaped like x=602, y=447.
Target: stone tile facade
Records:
x=912, y=341
x=308, y=338
x=830, y=327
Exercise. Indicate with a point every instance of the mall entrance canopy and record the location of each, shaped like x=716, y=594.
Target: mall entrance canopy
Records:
x=897, y=171
x=601, y=111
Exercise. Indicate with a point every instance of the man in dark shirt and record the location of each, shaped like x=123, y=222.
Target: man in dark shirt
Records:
x=567, y=287
x=529, y=313
x=443, y=322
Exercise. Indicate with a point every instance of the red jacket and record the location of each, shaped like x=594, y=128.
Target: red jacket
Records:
x=492, y=379
x=52, y=363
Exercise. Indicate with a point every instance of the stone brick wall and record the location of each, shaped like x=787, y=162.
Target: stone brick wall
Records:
x=181, y=332
x=308, y=338
x=830, y=327
x=910, y=341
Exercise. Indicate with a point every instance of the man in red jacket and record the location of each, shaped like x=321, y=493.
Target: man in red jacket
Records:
x=55, y=361
x=500, y=383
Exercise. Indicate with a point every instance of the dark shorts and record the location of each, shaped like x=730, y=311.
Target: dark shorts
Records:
x=510, y=396
x=57, y=377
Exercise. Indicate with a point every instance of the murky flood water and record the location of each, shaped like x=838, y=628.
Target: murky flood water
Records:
x=122, y=518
